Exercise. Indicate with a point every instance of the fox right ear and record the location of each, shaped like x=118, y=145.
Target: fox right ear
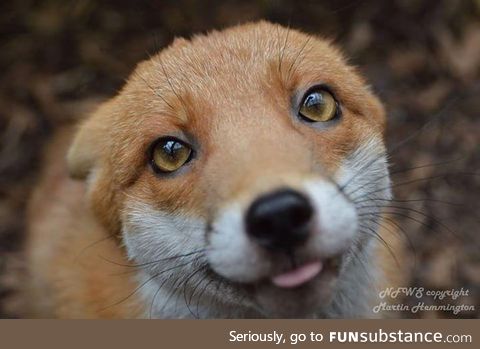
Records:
x=88, y=143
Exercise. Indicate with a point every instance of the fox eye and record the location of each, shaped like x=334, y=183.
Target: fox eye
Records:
x=318, y=105
x=169, y=154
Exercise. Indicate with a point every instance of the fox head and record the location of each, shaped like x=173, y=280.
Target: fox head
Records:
x=241, y=168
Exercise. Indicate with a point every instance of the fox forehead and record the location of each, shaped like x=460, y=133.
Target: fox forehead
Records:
x=239, y=68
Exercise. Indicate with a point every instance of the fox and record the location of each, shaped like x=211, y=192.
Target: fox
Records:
x=236, y=174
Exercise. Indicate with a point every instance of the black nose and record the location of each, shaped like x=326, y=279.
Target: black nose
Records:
x=280, y=220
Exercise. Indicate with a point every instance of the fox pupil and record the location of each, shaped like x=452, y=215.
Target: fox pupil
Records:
x=171, y=148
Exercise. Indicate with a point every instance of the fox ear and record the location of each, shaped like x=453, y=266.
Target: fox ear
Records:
x=88, y=143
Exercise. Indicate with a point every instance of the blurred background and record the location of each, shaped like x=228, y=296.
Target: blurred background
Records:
x=422, y=58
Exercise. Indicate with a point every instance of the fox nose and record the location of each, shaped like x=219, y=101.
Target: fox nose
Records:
x=280, y=220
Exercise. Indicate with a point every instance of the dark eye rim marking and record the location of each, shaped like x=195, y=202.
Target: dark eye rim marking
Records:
x=309, y=91
x=151, y=149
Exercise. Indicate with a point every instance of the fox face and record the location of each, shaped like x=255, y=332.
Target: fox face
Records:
x=241, y=170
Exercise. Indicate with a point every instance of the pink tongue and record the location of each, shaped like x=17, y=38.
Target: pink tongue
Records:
x=298, y=276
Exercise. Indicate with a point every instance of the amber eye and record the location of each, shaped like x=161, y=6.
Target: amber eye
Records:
x=169, y=154
x=318, y=105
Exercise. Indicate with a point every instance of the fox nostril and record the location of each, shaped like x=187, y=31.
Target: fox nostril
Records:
x=279, y=220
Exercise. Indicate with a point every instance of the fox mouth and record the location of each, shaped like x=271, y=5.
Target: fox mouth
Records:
x=303, y=274
x=297, y=291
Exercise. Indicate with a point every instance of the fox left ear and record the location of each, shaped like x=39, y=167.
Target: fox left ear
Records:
x=86, y=154
x=88, y=143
